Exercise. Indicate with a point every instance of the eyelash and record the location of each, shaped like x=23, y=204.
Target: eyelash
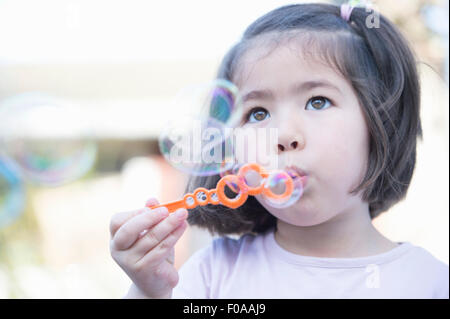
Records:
x=252, y=110
x=259, y=108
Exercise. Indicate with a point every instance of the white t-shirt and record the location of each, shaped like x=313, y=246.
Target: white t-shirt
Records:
x=257, y=267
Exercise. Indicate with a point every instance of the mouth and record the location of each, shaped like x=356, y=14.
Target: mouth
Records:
x=297, y=173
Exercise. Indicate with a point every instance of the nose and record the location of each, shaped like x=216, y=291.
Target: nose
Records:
x=288, y=143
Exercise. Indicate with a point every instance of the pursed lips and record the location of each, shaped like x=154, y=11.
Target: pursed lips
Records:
x=302, y=174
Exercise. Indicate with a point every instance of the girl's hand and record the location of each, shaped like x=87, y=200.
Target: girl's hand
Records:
x=142, y=243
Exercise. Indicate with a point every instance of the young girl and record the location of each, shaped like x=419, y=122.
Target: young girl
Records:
x=345, y=100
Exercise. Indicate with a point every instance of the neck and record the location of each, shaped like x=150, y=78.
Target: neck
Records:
x=347, y=235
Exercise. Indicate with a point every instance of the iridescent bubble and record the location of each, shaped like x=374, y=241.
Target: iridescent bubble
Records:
x=12, y=194
x=276, y=188
x=233, y=169
x=197, y=147
x=198, y=139
x=224, y=103
x=233, y=190
x=252, y=179
x=48, y=138
x=218, y=99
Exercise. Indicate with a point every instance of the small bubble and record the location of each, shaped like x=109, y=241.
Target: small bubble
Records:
x=276, y=183
x=190, y=201
x=201, y=196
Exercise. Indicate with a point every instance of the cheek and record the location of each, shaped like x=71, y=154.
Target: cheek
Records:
x=244, y=149
x=344, y=153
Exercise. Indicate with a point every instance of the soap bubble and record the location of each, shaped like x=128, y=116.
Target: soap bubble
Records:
x=279, y=183
x=198, y=139
x=232, y=169
x=229, y=197
x=219, y=100
x=197, y=147
x=48, y=138
x=224, y=102
x=12, y=195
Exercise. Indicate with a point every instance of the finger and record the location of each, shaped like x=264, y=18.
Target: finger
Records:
x=151, y=202
x=121, y=218
x=171, y=257
x=129, y=232
x=158, y=233
x=165, y=249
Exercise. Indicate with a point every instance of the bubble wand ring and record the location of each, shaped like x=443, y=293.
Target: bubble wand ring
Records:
x=202, y=196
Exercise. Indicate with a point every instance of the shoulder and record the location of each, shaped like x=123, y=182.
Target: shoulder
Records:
x=426, y=260
x=430, y=269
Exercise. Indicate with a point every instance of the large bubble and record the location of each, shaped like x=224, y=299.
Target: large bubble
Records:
x=196, y=146
x=12, y=194
x=48, y=138
x=198, y=139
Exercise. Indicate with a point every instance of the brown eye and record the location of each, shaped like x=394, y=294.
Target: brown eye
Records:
x=318, y=102
x=257, y=115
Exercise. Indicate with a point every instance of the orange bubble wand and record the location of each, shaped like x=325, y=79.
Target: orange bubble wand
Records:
x=202, y=196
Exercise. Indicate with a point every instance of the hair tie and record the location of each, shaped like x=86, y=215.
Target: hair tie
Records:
x=346, y=11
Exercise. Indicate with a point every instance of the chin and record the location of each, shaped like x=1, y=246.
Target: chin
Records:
x=298, y=216
x=304, y=213
x=306, y=220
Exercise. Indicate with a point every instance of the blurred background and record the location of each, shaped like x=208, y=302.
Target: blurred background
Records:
x=107, y=71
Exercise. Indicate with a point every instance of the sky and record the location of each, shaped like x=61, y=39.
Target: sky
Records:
x=89, y=32
x=55, y=31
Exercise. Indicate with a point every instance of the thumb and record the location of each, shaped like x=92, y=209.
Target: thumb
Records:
x=151, y=202
x=171, y=258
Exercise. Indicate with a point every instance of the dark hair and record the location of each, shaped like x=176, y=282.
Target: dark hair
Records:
x=381, y=67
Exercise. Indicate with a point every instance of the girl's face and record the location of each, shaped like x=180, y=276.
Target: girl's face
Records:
x=320, y=124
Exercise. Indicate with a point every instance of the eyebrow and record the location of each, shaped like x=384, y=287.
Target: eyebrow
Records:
x=313, y=84
x=301, y=87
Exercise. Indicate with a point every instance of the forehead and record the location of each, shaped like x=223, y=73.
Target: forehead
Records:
x=271, y=60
